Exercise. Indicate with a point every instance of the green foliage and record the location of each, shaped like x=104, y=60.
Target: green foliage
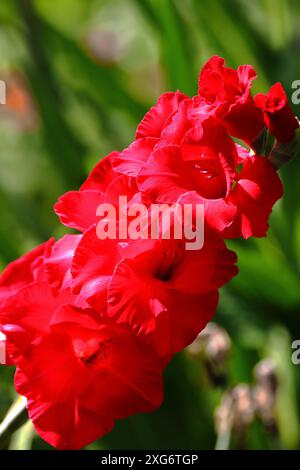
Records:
x=88, y=99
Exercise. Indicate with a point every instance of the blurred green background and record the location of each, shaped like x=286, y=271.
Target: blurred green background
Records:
x=80, y=74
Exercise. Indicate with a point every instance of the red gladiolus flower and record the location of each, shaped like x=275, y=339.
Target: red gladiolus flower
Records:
x=79, y=209
x=225, y=92
x=93, y=264
x=90, y=323
x=102, y=175
x=278, y=115
x=23, y=271
x=74, y=362
x=156, y=119
x=57, y=265
x=129, y=161
x=257, y=189
x=99, y=266
x=203, y=170
x=168, y=294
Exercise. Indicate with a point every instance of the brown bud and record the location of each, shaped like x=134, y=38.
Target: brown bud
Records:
x=224, y=415
x=264, y=393
x=243, y=406
x=265, y=374
x=212, y=346
x=214, y=341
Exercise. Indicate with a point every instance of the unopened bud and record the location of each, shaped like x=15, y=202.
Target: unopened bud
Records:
x=212, y=346
x=265, y=374
x=264, y=393
x=282, y=153
x=243, y=406
x=214, y=341
x=265, y=405
x=224, y=415
x=259, y=144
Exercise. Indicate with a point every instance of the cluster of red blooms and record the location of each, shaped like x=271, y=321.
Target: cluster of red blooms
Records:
x=90, y=324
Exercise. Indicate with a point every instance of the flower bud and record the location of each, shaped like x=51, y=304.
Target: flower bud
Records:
x=265, y=374
x=213, y=345
x=243, y=406
x=282, y=153
x=224, y=415
x=264, y=393
x=259, y=144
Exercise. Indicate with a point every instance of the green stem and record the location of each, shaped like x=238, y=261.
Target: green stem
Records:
x=223, y=440
x=15, y=418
